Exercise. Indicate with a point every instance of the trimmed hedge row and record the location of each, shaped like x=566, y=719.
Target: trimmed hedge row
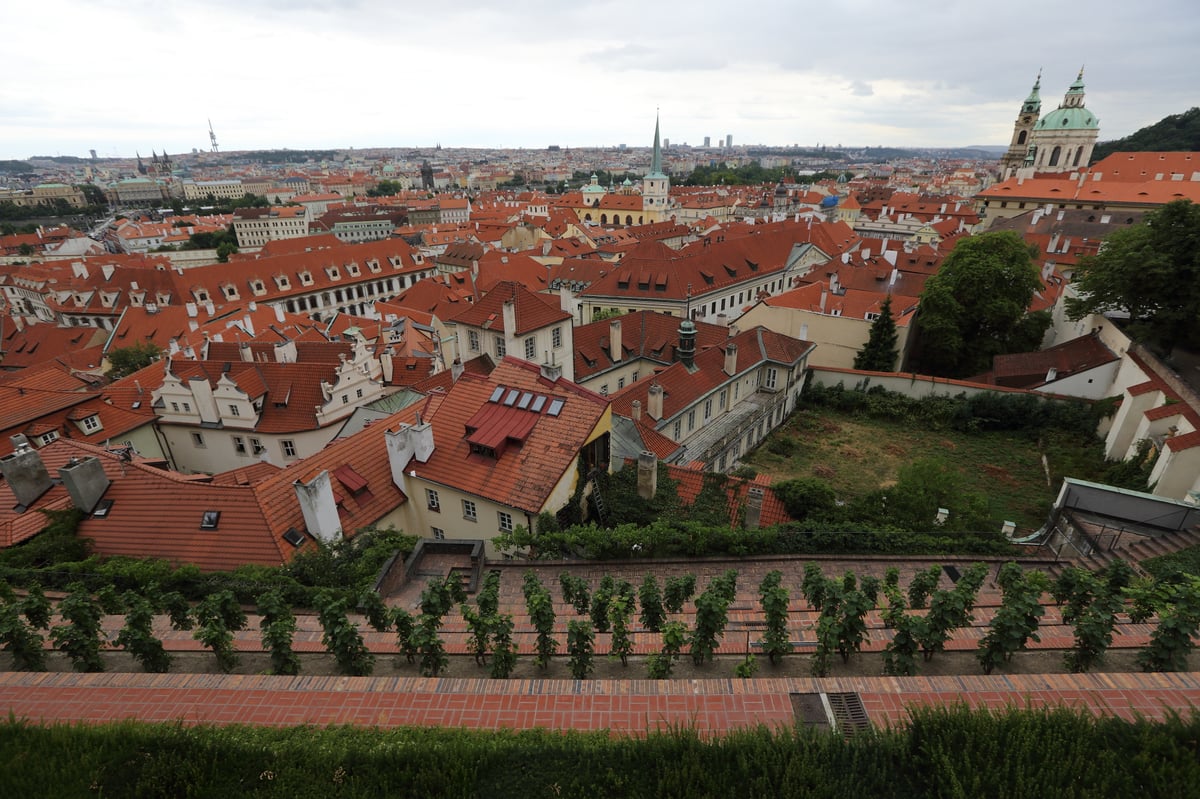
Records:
x=943, y=752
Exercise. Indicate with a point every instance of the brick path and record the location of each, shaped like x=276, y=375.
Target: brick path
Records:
x=628, y=706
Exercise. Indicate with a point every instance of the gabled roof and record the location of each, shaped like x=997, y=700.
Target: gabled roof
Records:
x=644, y=335
x=691, y=481
x=533, y=311
x=521, y=476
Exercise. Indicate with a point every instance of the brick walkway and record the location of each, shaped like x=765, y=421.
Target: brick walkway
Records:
x=629, y=706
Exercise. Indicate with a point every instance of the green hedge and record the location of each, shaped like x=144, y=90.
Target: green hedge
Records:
x=944, y=753
x=56, y=557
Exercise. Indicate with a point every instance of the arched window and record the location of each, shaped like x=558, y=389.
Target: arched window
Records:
x=604, y=219
x=1078, y=155
x=628, y=219
x=587, y=217
x=1021, y=136
x=1054, y=154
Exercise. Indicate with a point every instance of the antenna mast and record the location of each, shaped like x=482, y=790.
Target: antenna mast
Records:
x=212, y=137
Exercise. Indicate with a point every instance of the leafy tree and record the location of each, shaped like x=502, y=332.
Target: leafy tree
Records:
x=660, y=664
x=36, y=608
x=712, y=614
x=776, y=642
x=580, y=642
x=879, y=353
x=976, y=306
x=137, y=636
x=21, y=640
x=218, y=616
x=575, y=592
x=480, y=629
x=600, y=602
x=1178, y=608
x=900, y=654
x=405, y=626
x=813, y=586
x=488, y=598
x=620, y=610
x=677, y=590
x=1152, y=271
x=541, y=615
x=127, y=360
x=653, y=614
x=923, y=584
x=806, y=497
x=342, y=638
x=504, y=651
x=747, y=668
x=385, y=188
x=425, y=639
x=278, y=625
x=80, y=637
x=376, y=612
x=1016, y=620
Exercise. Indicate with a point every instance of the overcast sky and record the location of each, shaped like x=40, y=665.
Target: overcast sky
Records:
x=126, y=75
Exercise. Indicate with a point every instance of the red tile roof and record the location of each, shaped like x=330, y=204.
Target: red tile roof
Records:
x=533, y=311
x=521, y=476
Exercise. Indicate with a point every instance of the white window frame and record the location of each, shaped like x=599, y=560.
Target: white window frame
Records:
x=432, y=500
x=470, y=512
x=505, y=521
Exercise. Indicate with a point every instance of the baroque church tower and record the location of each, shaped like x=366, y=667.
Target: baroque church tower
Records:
x=1018, y=148
x=1065, y=137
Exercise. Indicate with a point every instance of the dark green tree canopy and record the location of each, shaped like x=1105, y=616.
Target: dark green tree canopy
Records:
x=976, y=306
x=127, y=360
x=879, y=353
x=1151, y=271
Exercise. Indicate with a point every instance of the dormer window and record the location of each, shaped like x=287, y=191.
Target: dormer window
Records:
x=282, y=282
x=374, y=267
x=201, y=295
x=352, y=269
x=90, y=424
x=306, y=278
x=257, y=287
x=333, y=272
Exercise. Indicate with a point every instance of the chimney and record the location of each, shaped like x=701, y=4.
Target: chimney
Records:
x=319, y=507
x=615, y=350
x=824, y=297
x=647, y=476
x=85, y=481
x=421, y=435
x=636, y=410
x=654, y=402
x=754, y=503
x=510, y=318
x=190, y=308
x=730, y=359
x=209, y=308
x=551, y=371
x=279, y=317
x=25, y=473
x=400, y=452
x=456, y=369
x=566, y=300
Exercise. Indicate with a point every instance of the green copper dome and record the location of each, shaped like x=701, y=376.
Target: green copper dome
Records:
x=1076, y=118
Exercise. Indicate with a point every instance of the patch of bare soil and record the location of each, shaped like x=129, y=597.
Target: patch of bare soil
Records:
x=824, y=471
x=895, y=450
x=999, y=473
x=798, y=664
x=850, y=453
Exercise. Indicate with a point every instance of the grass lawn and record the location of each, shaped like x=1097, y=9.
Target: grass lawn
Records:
x=858, y=454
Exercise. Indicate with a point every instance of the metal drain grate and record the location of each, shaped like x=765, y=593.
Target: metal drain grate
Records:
x=849, y=715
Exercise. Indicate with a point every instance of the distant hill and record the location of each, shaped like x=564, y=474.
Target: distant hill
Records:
x=1176, y=133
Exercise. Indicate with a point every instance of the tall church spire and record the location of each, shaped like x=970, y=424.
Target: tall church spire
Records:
x=656, y=160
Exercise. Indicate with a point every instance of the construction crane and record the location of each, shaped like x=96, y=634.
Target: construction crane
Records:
x=212, y=137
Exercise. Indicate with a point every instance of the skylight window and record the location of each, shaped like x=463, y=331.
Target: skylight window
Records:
x=526, y=398
x=538, y=403
x=556, y=406
x=497, y=393
x=294, y=537
x=210, y=519
x=512, y=396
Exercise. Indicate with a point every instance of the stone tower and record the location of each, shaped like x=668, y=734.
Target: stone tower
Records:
x=1018, y=148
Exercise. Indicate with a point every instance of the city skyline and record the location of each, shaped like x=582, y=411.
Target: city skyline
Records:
x=135, y=76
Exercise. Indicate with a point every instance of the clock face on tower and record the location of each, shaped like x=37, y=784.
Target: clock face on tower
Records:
x=1025, y=119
